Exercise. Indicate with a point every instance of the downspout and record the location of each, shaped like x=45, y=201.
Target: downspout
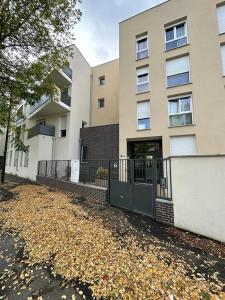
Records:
x=91, y=94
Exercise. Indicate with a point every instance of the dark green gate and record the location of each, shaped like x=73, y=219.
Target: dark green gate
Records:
x=133, y=184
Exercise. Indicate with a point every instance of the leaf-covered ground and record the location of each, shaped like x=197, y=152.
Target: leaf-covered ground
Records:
x=105, y=248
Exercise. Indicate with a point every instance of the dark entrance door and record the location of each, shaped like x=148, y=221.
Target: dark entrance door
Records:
x=128, y=189
x=143, y=152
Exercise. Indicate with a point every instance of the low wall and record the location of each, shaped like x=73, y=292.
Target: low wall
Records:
x=87, y=191
x=164, y=212
x=198, y=186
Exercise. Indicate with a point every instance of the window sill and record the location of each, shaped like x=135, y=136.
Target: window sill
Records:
x=140, y=59
x=143, y=129
x=177, y=48
x=178, y=126
x=171, y=87
x=143, y=93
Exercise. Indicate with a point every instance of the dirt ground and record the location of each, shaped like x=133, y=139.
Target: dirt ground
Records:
x=205, y=258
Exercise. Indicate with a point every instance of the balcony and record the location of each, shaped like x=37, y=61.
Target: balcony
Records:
x=48, y=130
x=68, y=71
x=62, y=78
x=58, y=104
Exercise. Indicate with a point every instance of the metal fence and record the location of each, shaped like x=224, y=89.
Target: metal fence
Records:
x=55, y=168
x=98, y=172
x=95, y=172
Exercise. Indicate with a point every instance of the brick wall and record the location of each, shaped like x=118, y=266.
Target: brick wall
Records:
x=164, y=211
x=102, y=141
x=96, y=194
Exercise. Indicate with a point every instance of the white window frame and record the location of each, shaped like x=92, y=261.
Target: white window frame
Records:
x=149, y=115
x=189, y=70
x=146, y=82
x=219, y=6
x=175, y=32
x=142, y=37
x=180, y=113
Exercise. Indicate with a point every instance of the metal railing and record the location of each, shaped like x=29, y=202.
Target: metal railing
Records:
x=66, y=99
x=95, y=172
x=55, y=169
x=68, y=71
x=48, y=130
x=38, y=104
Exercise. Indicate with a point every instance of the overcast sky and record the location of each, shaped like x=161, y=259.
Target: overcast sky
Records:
x=97, y=35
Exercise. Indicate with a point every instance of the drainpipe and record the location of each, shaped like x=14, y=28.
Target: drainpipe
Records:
x=91, y=93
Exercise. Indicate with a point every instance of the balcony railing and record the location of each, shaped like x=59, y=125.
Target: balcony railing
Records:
x=66, y=99
x=68, y=71
x=38, y=104
x=48, y=130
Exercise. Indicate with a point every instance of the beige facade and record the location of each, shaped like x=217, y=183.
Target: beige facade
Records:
x=207, y=82
x=105, y=87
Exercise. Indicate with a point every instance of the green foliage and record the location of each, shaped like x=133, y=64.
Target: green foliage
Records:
x=102, y=173
x=35, y=39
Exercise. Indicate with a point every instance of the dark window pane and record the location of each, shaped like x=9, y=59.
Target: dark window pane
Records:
x=176, y=44
x=101, y=103
x=169, y=34
x=63, y=132
x=180, y=31
x=142, y=54
x=178, y=79
x=144, y=123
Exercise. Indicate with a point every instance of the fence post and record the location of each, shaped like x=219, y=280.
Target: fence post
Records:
x=67, y=172
x=46, y=168
x=56, y=169
x=38, y=171
x=108, y=189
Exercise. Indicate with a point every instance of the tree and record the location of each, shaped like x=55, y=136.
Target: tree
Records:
x=34, y=40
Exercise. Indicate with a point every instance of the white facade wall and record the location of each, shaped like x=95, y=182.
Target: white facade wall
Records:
x=58, y=148
x=198, y=185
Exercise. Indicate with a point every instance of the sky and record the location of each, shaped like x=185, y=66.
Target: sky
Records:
x=97, y=35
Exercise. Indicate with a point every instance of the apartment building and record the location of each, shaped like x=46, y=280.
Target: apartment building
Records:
x=171, y=87
x=51, y=127
x=101, y=140
x=164, y=96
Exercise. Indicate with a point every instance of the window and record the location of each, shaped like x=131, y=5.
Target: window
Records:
x=178, y=71
x=63, y=126
x=101, y=80
x=222, y=48
x=143, y=115
x=101, y=103
x=26, y=158
x=221, y=18
x=182, y=145
x=142, y=80
x=142, y=47
x=84, y=153
x=176, y=36
x=180, y=112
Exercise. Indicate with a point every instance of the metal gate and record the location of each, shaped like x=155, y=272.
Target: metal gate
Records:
x=133, y=184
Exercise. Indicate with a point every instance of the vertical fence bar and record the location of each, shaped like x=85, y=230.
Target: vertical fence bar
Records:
x=55, y=168
x=46, y=165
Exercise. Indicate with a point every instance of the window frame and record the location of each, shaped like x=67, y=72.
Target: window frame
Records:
x=149, y=115
x=176, y=75
x=174, y=27
x=146, y=82
x=99, y=101
x=139, y=38
x=99, y=80
x=180, y=113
